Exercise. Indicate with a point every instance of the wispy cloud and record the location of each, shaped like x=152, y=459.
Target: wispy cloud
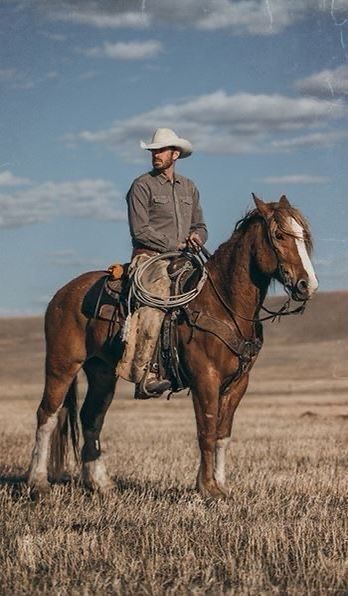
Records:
x=314, y=140
x=260, y=17
x=59, y=37
x=92, y=199
x=326, y=83
x=70, y=258
x=296, y=179
x=107, y=17
x=222, y=123
x=9, y=179
x=14, y=78
x=133, y=50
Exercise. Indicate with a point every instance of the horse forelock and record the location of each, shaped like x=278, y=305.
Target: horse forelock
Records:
x=280, y=219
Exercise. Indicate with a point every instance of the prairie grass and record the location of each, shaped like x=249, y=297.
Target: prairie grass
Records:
x=283, y=531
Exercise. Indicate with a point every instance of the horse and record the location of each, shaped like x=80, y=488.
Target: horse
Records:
x=272, y=242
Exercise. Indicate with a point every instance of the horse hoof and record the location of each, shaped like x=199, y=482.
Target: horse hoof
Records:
x=95, y=477
x=211, y=490
x=39, y=491
x=225, y=491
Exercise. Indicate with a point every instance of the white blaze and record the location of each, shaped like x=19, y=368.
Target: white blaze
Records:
x=302, y=251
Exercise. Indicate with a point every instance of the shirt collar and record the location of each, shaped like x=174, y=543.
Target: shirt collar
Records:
x=162, y=178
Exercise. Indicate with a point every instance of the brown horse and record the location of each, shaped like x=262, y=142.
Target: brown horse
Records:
x=272, y=241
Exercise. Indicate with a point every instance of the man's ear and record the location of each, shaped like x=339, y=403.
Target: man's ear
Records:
x=176, y=154
x=262, y=207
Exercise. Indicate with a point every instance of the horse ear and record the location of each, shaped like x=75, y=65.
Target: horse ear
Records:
x=262, y=207
x=283, y=202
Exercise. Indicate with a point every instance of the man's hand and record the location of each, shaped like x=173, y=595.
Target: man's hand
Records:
x=194, y=241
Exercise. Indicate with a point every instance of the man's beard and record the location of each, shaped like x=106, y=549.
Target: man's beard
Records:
x=162, y=165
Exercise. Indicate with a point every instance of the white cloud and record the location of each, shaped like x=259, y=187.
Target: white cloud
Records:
x=326, y=83
x=261, y=17
x=93, y=199
x=220, y=123
x=8, y=179
x=54, y=36
x=14, y=78
x=125, y=51
x=296, y=179
x=314, y=140
x=7, y=74
x=113, y=18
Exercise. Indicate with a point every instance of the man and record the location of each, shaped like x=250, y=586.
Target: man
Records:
x=164, y=215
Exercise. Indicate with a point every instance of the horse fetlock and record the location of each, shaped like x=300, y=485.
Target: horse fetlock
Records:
x=209, y=488
x=91, y=450
x=95, y=475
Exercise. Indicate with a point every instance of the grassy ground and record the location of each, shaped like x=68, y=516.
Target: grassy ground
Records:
x=283, y=530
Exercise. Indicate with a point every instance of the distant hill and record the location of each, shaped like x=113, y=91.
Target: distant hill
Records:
x=22, y=347
x=325, y=319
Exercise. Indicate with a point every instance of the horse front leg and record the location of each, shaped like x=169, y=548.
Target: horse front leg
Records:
x=206, y=404
x=228, y=405
x=101, y=388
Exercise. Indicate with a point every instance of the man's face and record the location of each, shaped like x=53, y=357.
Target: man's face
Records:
x=164, y=158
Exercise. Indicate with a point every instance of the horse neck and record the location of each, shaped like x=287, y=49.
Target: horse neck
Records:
x=240, y=282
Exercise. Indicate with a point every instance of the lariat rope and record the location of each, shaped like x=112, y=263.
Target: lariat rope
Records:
x=148, y=298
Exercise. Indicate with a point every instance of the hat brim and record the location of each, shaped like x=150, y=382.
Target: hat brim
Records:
x=184, y=146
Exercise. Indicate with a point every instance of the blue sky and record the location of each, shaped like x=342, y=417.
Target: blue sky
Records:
x=260, y=87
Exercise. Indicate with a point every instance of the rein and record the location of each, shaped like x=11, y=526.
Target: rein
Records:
x=283, y=311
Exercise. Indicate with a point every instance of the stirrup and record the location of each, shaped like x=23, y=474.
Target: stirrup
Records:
x=143, y=390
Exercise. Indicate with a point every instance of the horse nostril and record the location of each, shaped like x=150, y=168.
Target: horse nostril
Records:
x=302, y=285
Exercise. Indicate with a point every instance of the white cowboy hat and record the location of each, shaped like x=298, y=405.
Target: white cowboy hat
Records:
x=165, y=137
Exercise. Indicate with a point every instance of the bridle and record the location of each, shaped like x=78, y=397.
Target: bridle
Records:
x=283, y=311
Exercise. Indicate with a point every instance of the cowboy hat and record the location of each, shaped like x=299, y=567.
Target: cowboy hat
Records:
x=165, y=137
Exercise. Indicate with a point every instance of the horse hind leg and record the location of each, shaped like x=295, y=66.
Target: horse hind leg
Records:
x=49, y=414
x=101, y=387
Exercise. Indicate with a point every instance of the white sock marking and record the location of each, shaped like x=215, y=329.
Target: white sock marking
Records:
x=39, y=461
x=220, y=452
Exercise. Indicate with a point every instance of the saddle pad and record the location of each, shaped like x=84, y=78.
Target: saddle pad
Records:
x=102, y=299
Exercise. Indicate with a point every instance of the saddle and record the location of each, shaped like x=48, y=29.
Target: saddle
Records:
x=107, y=300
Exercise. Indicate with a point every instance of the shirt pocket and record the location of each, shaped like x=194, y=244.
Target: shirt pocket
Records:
x=159, y=200
x=187, y=205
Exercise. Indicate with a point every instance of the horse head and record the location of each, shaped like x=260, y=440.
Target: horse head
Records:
x=285, y=253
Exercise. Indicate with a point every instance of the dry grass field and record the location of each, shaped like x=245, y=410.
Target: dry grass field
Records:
x=284, y=528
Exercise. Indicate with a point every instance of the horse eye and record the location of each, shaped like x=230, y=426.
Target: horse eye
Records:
x=279, y=236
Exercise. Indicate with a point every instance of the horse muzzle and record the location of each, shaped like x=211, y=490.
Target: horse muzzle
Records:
x=302, y=289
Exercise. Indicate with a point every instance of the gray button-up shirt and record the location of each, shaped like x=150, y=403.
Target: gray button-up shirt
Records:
x=163, y=213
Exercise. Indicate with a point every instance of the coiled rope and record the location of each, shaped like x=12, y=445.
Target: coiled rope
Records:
x=147, y=298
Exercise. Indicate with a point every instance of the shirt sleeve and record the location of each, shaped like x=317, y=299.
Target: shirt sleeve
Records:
x=197, y=223
x=138, y=200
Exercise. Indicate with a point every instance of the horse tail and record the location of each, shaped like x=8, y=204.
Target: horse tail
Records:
x=67, y=417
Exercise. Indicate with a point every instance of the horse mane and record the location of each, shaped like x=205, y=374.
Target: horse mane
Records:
x=280, y=220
